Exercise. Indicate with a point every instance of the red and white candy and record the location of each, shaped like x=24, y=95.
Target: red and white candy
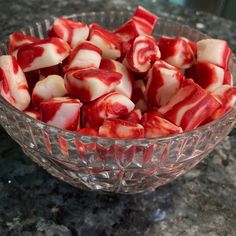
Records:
x=85, y=55
x=145, y=19
x=13, y=84
x=116, y=128
x=111, y=105
x=128, y=31
x=176, y=51
x=61, y=112
x=190, y=106
x=156, y=126
x=126, y=84
x=162, y=84
x=141, y=23
x=214, y=51
x=51, y=86
x=46, y=53
x=226, y=95
x=72, y=32
x=113, y=73
x=109, y=43
x=17, y=40
x=89, y=84
x=207, y=75
x=143, y=52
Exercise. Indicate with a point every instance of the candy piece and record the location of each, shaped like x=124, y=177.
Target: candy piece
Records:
x=111, y=105
x=61, y=112
x=85, y=55
x=128, y=31
x=141, y=23
x=109, y=43
x=87, y=131
x=143, y=52
x=89, y=84
x=207, y=75
x=156, y=126
x=116, y=128
x=226, y=95
x=126, y=83
x=146, y=20
x=51, y=86
x=70, y=31
x=134, y=116
x=17, y=40
x=46, y=53
x=138, y=97
x=162, y=84
x=13, y=84
x=190, y=106
x=176, y=51
x=34, y=114
x=214, y=51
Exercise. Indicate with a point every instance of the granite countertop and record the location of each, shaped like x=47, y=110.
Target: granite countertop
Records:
x=202, y=202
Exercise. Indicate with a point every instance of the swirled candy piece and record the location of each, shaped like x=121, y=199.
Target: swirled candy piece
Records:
x=177, y=52
x=61, y=112
x=126, y=84
x=141, y=23
x=214, y=51
x=89, y=84
x=145, y=19
x=109, y=43
x=46, y=53
x=51, y=86
x=85, y=55
x=190, y=106
x=34, y=114
x=128, y=31
x=226, y=95
x=143, y=52
x=138, y=97
x=156, y=126
x=13, y=84
x=116, y=128
x=207, y=75
x=111, y=105
x=72, y=32
x=17, y=40
x=163, y=82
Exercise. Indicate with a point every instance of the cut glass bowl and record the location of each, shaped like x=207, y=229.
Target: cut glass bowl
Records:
x=113, y=165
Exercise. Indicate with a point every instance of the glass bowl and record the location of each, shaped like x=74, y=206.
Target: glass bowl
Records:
x=113, y=165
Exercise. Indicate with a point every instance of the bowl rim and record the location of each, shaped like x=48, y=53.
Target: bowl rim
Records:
x=64, y=132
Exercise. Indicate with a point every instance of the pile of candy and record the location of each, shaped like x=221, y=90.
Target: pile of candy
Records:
x=120, y=84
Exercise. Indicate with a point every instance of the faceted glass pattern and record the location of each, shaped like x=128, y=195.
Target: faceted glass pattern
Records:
x=114, y=165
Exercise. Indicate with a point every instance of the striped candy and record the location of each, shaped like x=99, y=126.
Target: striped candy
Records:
x=13, y=84
x=111, y=105
x=61, y=112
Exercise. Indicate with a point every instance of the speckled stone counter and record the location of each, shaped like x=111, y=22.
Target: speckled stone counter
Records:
x=202, y=202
